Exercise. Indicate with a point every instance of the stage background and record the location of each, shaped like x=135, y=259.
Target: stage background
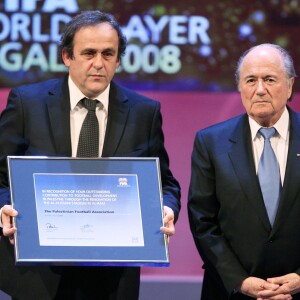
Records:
x=181, y=54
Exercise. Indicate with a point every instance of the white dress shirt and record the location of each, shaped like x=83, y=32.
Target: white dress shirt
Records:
x=78, y=113
x=279, y=142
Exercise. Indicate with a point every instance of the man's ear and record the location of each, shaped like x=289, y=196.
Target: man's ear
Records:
x=65, y=57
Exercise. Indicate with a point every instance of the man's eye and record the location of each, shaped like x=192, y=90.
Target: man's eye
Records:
x=88, y=53
x=270, y=80
x=251, y=80
x=107, y=54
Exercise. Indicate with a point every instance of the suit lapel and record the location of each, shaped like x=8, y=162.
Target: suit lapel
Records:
x=243, y=163
x=291, y=184
x=118, y=110
x=58, y=104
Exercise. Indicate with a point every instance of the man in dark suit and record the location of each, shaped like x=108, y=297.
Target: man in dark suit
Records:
x=246, y=253
x=46, y=119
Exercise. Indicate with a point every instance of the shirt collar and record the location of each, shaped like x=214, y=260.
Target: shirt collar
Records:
x=76, y=95
x=282, y=126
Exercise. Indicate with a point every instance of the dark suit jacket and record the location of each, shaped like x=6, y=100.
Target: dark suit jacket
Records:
x=37, y=122
x=227, y=215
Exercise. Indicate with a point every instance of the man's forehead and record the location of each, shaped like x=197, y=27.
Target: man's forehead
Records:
x=104, y=26
x=263, y=54
x=93, y=36
x=263, y=60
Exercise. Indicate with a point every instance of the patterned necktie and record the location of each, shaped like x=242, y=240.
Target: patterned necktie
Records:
x=269, y=174
x=88, y=144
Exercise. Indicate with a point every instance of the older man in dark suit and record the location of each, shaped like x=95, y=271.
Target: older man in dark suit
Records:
x=244, y=223
x=46, y=119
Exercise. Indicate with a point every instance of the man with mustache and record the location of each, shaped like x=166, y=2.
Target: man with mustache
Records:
x=46, y=119
x=245, y=226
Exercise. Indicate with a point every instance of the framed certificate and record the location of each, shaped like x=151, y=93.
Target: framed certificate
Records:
x=79, y=211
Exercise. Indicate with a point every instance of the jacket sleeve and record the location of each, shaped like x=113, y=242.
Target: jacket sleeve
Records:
x=203, y=210
x=170, y=186
x=12, y=141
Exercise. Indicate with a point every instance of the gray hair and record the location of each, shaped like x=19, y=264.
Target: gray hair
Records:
x=287, y=61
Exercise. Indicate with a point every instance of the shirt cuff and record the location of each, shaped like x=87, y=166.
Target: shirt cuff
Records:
x=1, y=225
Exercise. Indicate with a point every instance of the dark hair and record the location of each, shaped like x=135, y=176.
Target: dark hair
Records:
x=287, y=61
x=85, y=19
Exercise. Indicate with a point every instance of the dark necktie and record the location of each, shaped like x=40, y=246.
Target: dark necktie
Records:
x=88, y=144
x=269, y=174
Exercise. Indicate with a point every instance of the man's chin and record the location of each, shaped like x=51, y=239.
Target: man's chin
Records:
x=263, y=118
x=95, y=91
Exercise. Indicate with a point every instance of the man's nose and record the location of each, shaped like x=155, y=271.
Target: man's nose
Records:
x=98, y=61
x=260, y=88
